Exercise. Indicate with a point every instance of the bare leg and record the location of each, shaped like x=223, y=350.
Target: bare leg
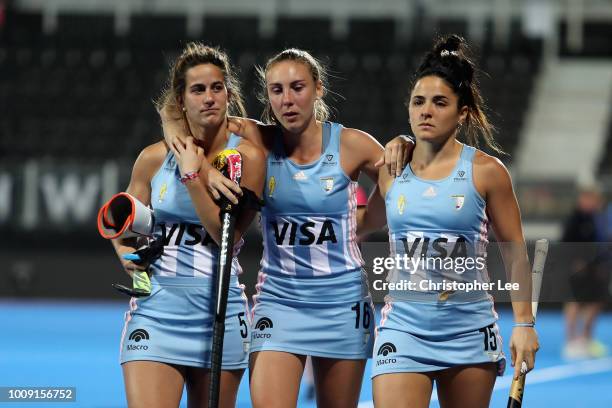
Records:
x=338, y=382
x=466, y=386
x=275, y=379
x=198, y=383
x=402, y=390
x=150, y=384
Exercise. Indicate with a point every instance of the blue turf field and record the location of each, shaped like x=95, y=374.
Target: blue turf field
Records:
x=77, y=344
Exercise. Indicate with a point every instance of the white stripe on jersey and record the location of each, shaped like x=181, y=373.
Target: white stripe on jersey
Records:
x=483, y=238
x=247, y=310
x=286, y=256
x=236, y=268
x=387, y=308
x=319, y=254
x=319, y=259
x=261, y=279
x=128, y=317
x=345, y=233
x=169, y=261
x=393, y=274
x=266, y=253
x=202, y=262
x=352, y=219
x=355, y=251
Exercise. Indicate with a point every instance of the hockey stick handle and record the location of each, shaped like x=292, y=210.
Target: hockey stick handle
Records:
x=515, y=399
x=222, y=288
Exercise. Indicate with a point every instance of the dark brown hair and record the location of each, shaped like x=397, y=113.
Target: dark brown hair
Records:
x=450, y=60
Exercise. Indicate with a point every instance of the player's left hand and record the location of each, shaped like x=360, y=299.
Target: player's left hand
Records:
x=236, y=125
x=397, y=154
x=523, y=346
x=189, y=157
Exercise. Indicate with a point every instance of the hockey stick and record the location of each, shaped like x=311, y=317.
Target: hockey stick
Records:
x=517, y=388
x=229, y=162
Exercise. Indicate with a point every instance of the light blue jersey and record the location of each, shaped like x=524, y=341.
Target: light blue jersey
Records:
x=309, y=222
x=188, y=249
x=312, y=296
x=442, y=227
x=174, y=323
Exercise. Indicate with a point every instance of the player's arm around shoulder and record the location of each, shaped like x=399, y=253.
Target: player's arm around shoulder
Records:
x=253, y=177
x=259, y=134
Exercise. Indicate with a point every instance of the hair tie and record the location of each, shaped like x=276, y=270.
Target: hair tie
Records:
x=446, y=53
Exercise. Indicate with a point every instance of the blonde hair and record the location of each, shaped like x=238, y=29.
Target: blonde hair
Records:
x=317, y=70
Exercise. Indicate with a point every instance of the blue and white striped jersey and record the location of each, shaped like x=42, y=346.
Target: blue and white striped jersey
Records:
x=188, y=249
x=441, y=225
x=309, y=218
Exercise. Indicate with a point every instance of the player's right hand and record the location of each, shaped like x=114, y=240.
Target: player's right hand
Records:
x=397, y=154
x=218, y=185
x=523, y=347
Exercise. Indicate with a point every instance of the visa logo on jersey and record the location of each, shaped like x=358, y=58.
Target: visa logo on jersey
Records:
x=440, y=247
x=307, y=233
x=193, y=234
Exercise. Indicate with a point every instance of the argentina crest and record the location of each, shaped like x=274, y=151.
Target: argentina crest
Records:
x=459, y=200
x=327, y=183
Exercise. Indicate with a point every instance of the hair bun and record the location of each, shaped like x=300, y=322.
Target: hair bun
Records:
x=450, y=59
x=456, y=46
x=453, y=44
